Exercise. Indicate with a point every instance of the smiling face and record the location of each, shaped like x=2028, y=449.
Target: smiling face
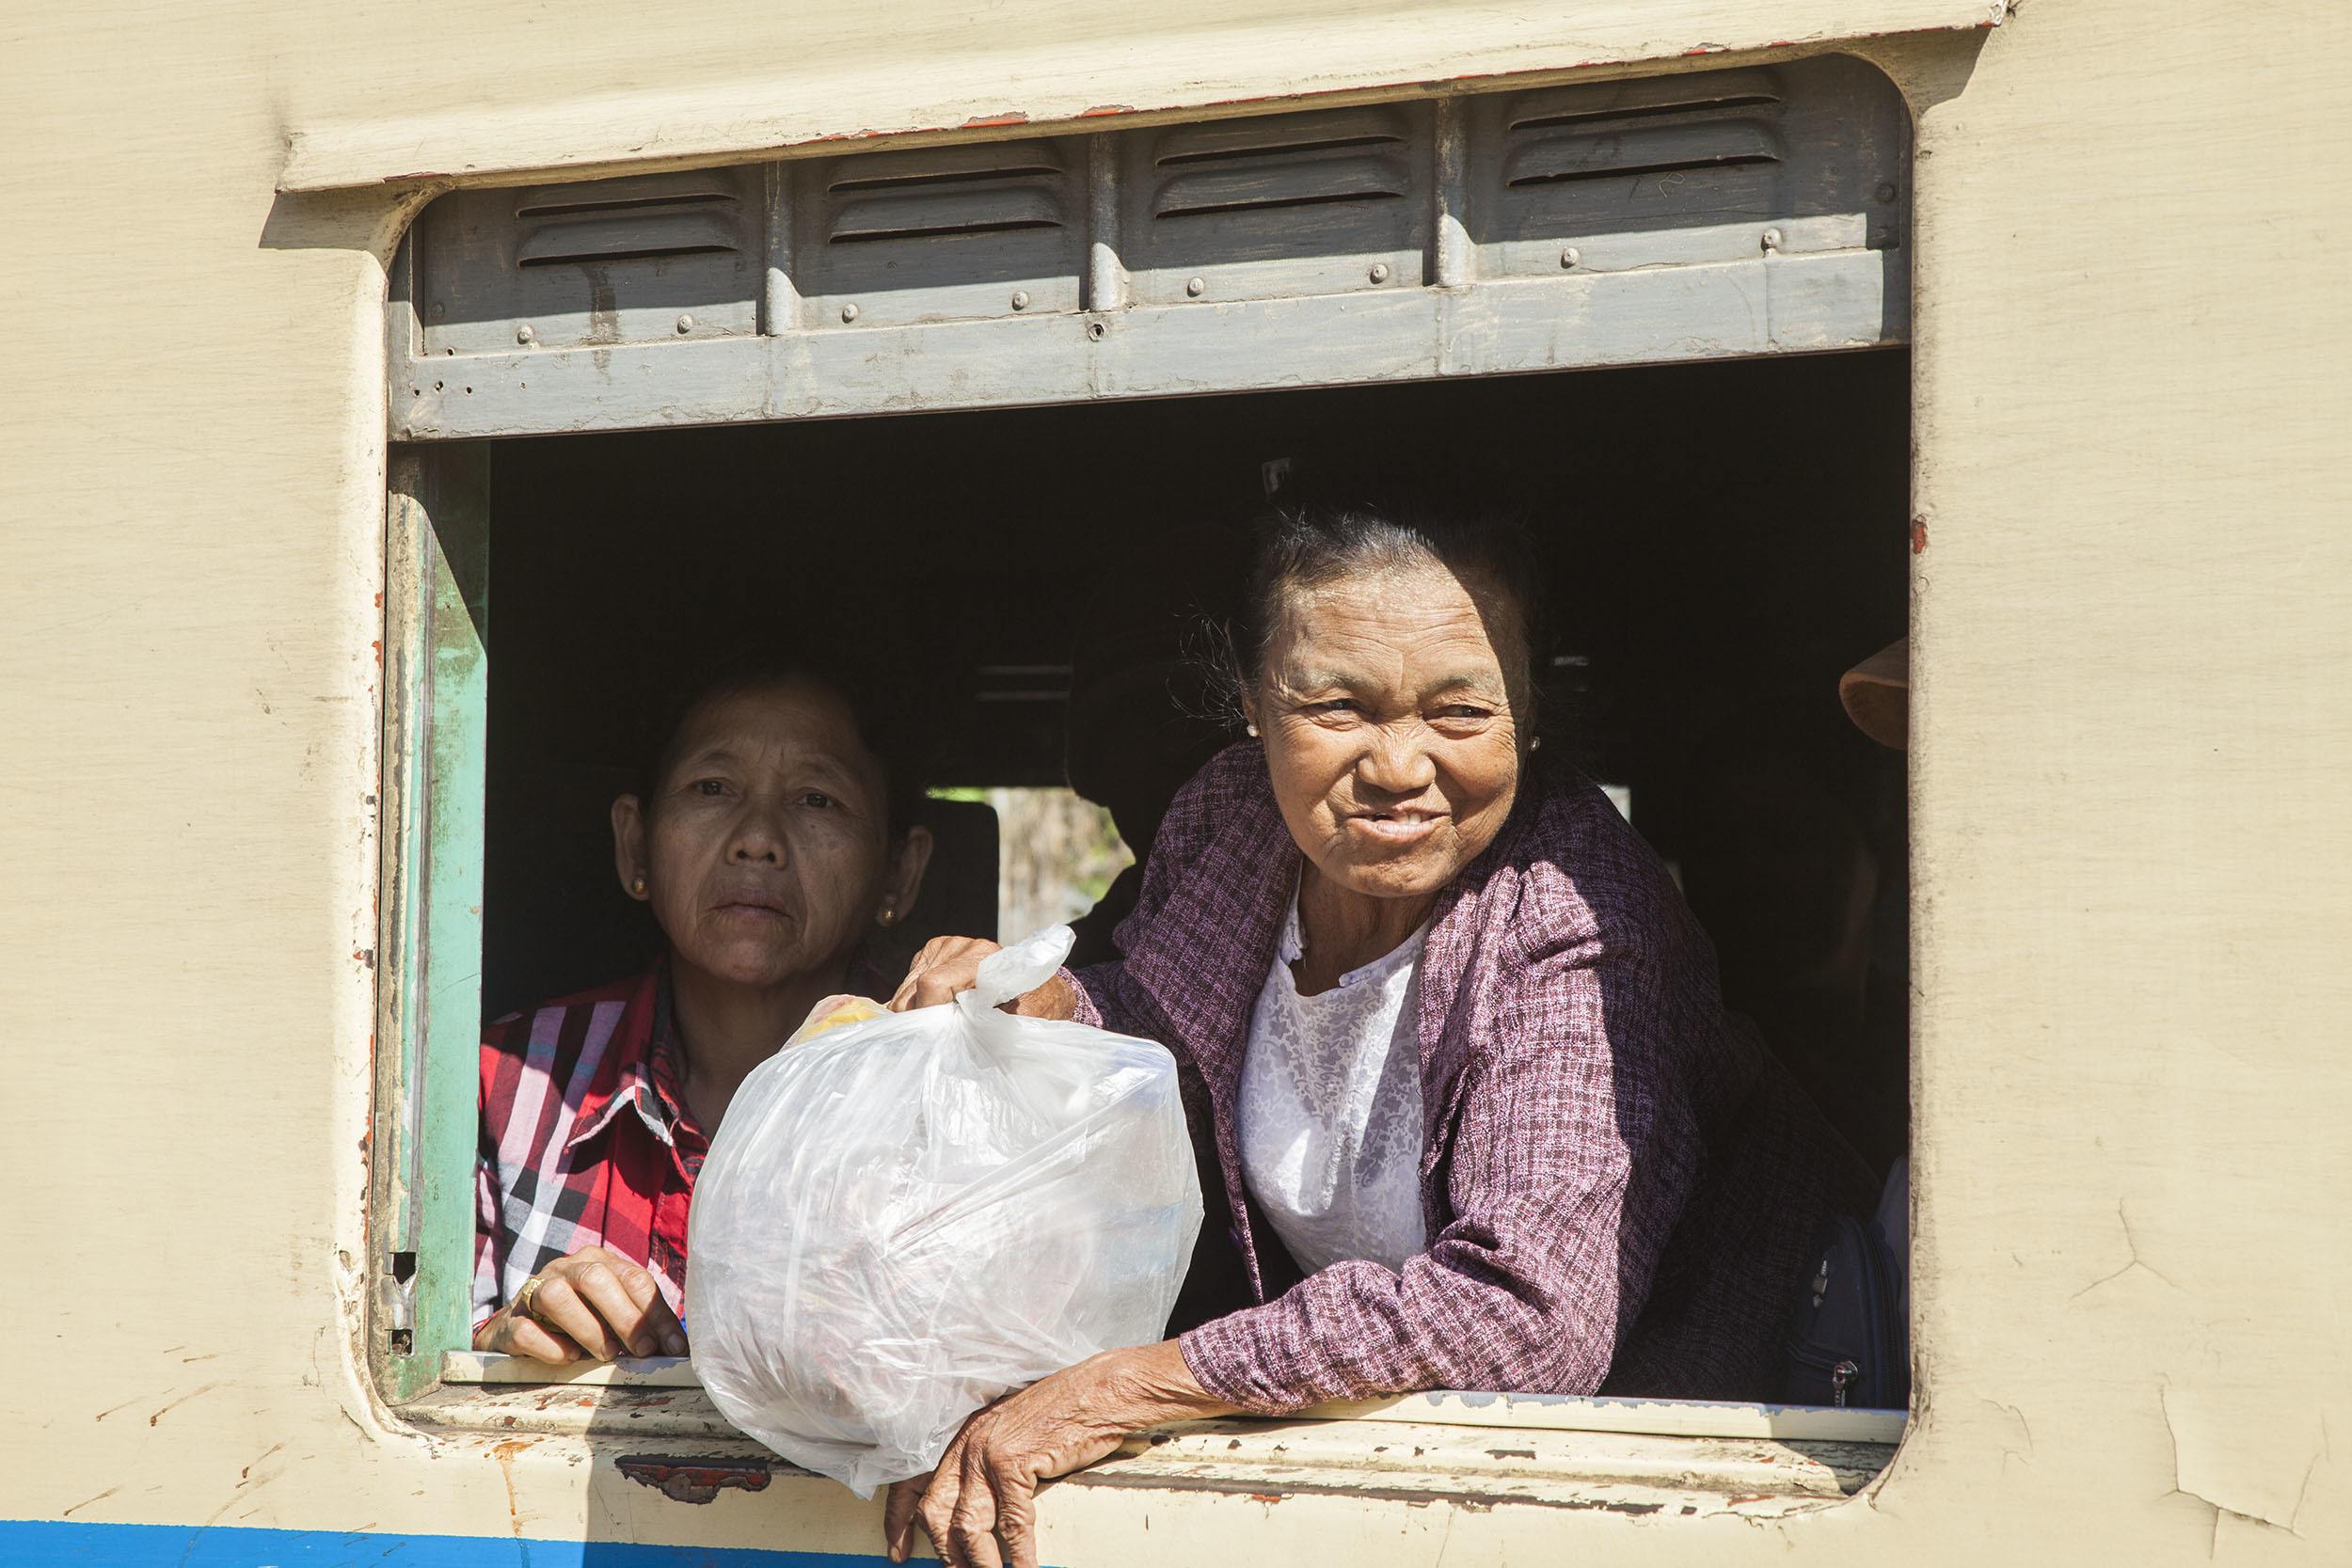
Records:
x=765, y=850
x=1390, y=725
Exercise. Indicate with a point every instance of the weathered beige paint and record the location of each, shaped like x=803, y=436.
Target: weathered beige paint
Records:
x=734, y=79
x=2134, y=614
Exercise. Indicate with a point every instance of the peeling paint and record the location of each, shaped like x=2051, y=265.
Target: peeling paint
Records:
x=695, y=1479
x=2259, y=1482
x=1604, y=1505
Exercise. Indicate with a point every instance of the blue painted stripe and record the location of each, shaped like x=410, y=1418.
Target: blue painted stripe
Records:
x=41, y=1543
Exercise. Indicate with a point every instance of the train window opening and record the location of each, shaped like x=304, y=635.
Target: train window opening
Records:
x=1008, y=460
x=1725, y=540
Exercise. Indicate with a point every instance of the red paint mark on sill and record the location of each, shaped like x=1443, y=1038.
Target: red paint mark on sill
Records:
x=980, y=122
x=1918, y=535
x=695, y=1481
x=1102, y=110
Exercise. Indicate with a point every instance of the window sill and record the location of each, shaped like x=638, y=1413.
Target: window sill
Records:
x=1633, y=1457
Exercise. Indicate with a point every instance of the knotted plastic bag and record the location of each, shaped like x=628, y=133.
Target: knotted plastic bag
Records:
x=904, y=1215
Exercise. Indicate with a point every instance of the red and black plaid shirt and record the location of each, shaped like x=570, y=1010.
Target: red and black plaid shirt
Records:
x=586, y=1140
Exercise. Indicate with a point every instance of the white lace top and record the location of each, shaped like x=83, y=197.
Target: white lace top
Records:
x=1330, y=1109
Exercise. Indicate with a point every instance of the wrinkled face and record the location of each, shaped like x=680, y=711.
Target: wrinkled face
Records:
x=1389, y=726
x=764, y=848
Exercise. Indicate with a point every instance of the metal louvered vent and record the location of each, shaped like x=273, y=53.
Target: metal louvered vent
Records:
x=1255, y=167
x=1695, y=214
x=1668, y=143
x=651, y=258
x=1316, y=203
x=1682, y=169
x=627, y=220
x=939, y=234
x=929, y=204
x=1632, y=171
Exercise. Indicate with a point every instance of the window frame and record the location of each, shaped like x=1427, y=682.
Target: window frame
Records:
x=426, y=1114
x=426, y=1120
x=422, y=1178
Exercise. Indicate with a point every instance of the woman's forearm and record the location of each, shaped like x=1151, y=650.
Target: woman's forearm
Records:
x=1151, y=1385
x=985, y=1484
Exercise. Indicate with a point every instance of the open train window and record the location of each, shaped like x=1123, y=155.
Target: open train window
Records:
x=968, y=395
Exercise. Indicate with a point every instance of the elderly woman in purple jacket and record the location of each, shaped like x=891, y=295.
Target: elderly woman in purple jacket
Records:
x=1478, y=1116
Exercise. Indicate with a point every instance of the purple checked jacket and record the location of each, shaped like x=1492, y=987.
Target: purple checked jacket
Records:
x=1618, y=1182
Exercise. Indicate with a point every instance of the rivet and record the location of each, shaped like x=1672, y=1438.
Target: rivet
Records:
x=1098, y=331
x=1380, y=272
x=1570, y=257
x=1196, y=286
x=1887, y=193
x=1772, y=239
x=848, y=312
x=1021, y=299
x=523, y=333
x=440, y=311
x=686, y=323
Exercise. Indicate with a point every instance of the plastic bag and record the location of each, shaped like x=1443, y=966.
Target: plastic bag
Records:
x=904, y=1215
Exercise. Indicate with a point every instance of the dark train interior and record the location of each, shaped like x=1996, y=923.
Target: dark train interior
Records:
x=1723, y=540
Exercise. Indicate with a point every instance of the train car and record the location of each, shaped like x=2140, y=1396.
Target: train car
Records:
x=504, y=338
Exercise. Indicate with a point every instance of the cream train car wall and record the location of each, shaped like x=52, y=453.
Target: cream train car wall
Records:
x=2133, y=879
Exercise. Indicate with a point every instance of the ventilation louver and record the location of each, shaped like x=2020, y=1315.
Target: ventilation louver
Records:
x=929, y=202
x=1262, y=166
x=1709, y=167
x=1706, y=212
x=652, y=257
x=939, y=235
x=627, y=220
x=1557, y=150
x=1643, y=173
x=1318, y=203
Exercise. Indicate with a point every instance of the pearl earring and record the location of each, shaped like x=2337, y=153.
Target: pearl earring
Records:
x=1253, y=731
x=638, y=887
x=889, y=916
x=1537, y=744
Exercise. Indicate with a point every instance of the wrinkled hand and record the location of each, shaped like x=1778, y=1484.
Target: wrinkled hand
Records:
x=947, y=965
x=597, y=1304
x=980, y=1507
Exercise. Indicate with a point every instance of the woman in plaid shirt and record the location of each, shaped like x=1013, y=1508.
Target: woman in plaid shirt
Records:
x=1451, y=1048
x=773, y=830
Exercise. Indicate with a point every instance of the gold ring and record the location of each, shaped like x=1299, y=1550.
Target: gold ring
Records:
x=524, y=1297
